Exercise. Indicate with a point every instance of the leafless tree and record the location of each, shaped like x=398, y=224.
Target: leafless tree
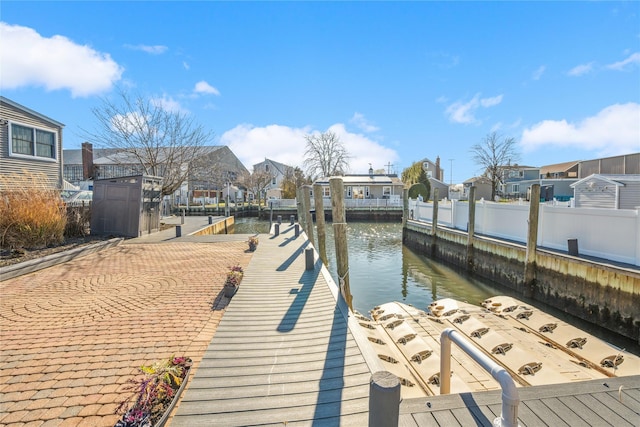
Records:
x=325, y=155
x=159, y=142
x=493, y=154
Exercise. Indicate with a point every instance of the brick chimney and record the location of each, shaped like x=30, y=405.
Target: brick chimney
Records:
x=87, y=161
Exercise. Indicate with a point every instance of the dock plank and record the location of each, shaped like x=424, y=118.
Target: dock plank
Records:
x=283, y=351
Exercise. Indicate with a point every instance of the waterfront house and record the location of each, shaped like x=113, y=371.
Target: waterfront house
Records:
x=607, y=191
x=278, y=172
x=367, y=186
x=30, y=144
x=216, y=168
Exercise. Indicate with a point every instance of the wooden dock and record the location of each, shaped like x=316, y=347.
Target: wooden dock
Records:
x=284, y=353
x=287, y=353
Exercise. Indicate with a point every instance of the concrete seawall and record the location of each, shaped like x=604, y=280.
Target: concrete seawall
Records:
x=604, y=294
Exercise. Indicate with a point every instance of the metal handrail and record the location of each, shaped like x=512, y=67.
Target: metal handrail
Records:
x=510, y=398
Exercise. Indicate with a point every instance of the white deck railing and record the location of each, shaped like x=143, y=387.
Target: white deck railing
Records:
x=510, y=397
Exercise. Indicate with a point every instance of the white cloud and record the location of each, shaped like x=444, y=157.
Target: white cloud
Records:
x=363, y=124
x=614, y=130
x=581, y=69
x=203, y=87
x=634, y=58
x=464, y=112
x=169, y=104
x=153, y=50
x=490, y=102
x=186, y=65
x=28, y=59
x=287, y=145
x=539, y=72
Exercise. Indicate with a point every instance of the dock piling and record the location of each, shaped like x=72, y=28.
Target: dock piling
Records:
x=384, y=400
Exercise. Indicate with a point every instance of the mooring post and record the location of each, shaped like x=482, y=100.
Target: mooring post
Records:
x=182, y=218
x=301, y=216
x=320, y=223
x=384, y=400
x=308, y=259
x=532, y=241
x=276, y=229
x=434, y=222
x=405, y=206
x=306, y=205
x=178, y=231
x=292, y=219
x=210, y=220
x=279, y=219
x=471, y=227
x=340, y=237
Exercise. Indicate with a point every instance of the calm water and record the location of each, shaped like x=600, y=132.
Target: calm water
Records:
x=382, y=270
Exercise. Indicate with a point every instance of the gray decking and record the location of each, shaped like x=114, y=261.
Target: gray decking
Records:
x=586, y=403
x=283, y=352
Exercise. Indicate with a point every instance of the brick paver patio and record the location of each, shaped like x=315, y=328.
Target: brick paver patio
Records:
x=72, y=335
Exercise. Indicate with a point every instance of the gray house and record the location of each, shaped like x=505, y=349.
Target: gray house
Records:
x=607, y=191
x=367, y=186
x=30, y=143
x=278, y=172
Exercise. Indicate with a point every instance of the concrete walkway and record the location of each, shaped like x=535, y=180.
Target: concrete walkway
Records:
x=72, y=335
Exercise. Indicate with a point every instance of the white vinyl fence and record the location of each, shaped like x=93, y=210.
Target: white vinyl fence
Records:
x=612, y=234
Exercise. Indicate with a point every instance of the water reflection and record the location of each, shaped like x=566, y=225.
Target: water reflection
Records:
x=381, y=269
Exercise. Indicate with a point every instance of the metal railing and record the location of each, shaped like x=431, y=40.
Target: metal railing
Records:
x=510, y=398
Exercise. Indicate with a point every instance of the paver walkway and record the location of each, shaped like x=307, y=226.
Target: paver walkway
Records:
x=73, y=334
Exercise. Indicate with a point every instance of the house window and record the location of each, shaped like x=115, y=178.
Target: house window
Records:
x=386, y=191
x=273, y=181
x=516, y=188
x=28, y=141
x=366, y=192
x=326, y=191
x=349, y=192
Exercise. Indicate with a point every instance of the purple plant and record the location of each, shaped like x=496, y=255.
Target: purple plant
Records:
x=153, y=392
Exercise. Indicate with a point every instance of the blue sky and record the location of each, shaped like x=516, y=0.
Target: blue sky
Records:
x=397, y=81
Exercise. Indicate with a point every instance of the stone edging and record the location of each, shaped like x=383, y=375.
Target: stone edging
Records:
x=30, y=266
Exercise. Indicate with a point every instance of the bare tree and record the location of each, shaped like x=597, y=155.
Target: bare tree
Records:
x=256, y=182
x=325, y=155
x=157, y=141
x=493, y=154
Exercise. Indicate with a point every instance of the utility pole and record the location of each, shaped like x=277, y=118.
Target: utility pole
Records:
x=388, y=165
x=451, y=171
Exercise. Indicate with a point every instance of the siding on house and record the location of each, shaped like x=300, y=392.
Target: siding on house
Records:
x=608, y=191
x=50, y=169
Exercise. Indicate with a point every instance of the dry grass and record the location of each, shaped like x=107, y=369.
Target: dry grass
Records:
x=31, y=215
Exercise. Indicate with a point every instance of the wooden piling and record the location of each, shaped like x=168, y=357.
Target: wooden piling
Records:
x=529, y=284
x=405, y=207
x=434, y=222
x=320, y=223
x=301, y=217
x=471, y=227
x=306, y=206
x=336, y=187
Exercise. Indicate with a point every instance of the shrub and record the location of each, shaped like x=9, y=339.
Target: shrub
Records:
x=78, y=220
x=419, y=189
x=31, y=215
